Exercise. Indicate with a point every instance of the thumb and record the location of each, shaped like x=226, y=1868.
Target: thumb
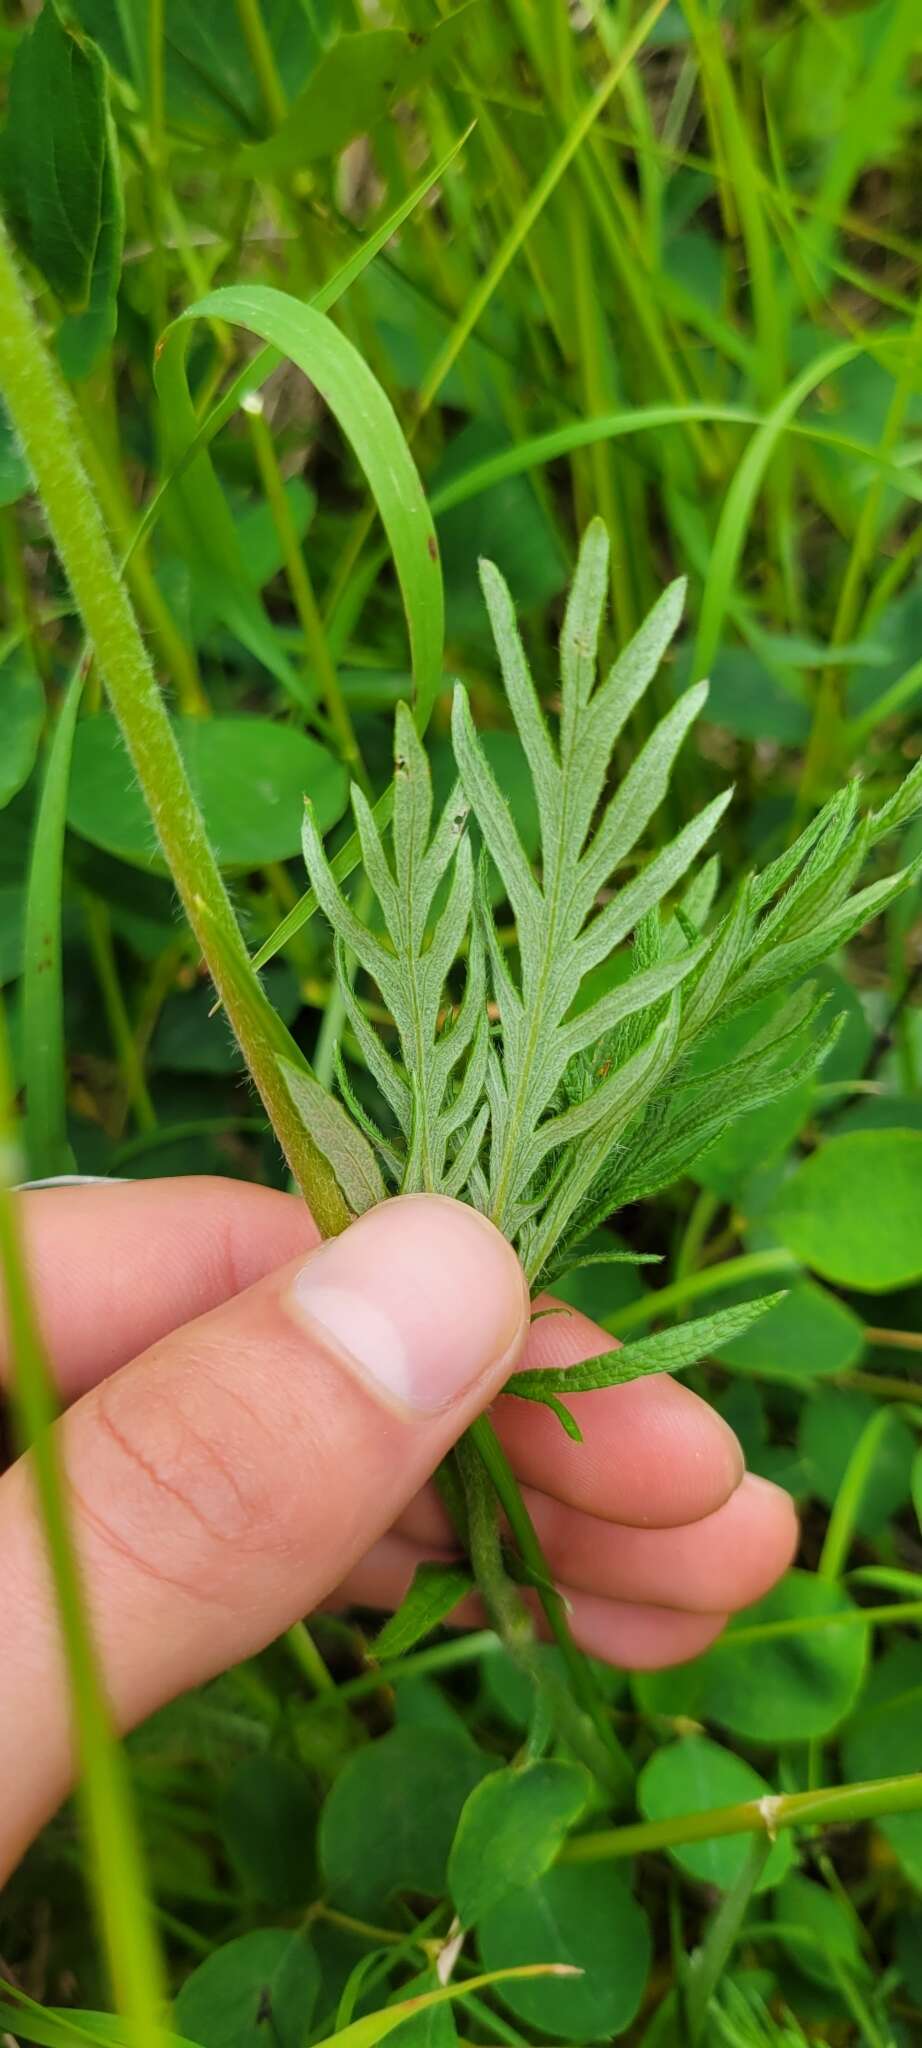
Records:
x=229, y=1478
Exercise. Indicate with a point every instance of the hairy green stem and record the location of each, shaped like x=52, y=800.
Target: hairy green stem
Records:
x=37, y=403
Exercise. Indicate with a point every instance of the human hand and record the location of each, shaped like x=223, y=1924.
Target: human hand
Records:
x=251, y=1423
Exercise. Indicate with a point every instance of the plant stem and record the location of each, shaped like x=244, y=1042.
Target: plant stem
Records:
x=156, y=142
x=302, y=592
x=704, y=1209
x=441, y=1657
x=710, y=1960
x=829, y=1805
x=117, y=1870
x=124, y=1044
x=900, y=1340
x=807, y=1624
x=262, y=58
x=841, y=1525
x=577, y=1668
x=48, y=1147
x=706, y=1280
x=306, y=1655
x=37, y=403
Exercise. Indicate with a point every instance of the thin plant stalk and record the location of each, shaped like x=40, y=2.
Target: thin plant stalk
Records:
x=704, y=1280
x=827, y=1806
x=124, y=1043
x=302, y=592
x=37, y=404
x=508, y=1492
x=116, y=1866
x=262, y=58
x=708, y=1963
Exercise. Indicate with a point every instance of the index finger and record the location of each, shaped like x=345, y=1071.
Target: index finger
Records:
x=116, y=1267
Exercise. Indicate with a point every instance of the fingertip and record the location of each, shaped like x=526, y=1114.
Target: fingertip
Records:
x=640, y=1638
x=772, y=1526
x=422, y=1297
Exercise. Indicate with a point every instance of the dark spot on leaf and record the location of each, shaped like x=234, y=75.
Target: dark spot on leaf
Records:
x=264, y=2008
x=389, y=85
x=416, y=37
x=433, y=546
x=400, y=766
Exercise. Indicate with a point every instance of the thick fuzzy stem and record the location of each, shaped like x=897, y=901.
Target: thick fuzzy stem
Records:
x=38, y=406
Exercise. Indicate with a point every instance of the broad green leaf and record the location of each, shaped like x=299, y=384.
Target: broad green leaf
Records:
x=270, y=1978
x=808, y=1334
x=250, y=776
x=52, y=154
x=22, y=715
x=509, y=526
x=819, y=1927
x=82, y=336
x=882, y=1740
x=389, y=1821
x=691, y=1776
x=267, y=1816
x=510, y=1830
x=755, y=1139
x=434, y=1594
x=753, y=702
x=211, y=88
x=191, y=1036
x=852, y=1210
x=511, y=1691
x=587, y=1918
x=830, y=1428
x=350, y=89
x=780, y=1687
x=337, y=1137
x=365, y=415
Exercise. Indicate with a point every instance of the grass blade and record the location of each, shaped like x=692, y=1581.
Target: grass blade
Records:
x=48, y=1147
x=118, y=1880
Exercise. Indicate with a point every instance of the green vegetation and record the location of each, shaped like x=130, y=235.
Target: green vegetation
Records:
x=302, y=312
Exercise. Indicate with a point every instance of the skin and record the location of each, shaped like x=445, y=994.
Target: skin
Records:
x=233, y=1464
